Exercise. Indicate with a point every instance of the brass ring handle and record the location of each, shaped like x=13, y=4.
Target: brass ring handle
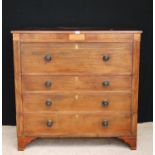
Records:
x=48, y=102
x=106, y=58
x=48, y=83
x=49, y=123
x=105, y=123
x=106, y=83
x=48, y=58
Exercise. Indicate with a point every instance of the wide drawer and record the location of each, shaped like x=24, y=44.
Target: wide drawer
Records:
x=72, y=36
x=76, y=83
x=84, y=58
x=76, y=102
x=77, y=124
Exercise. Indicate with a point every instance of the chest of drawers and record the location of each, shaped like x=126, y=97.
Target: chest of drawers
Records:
x=76, y=84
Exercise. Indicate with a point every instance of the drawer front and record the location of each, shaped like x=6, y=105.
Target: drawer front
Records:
x=69, y=36
x=77, y=124
x=76, y=83
x=76, y=102
x=105, y=58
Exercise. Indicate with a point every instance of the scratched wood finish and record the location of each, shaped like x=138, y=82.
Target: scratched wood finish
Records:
x=76, y=102
x=76, y=83
x=88, y=58
x=77, y=71
x=77, y=124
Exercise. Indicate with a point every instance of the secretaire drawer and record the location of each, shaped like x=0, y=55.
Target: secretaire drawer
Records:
x=33, y=102
x=75, y=83
x=105, y=58
x=77, y=124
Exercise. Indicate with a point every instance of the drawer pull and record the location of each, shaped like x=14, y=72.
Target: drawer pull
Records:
x=106, y=83
x=48, y=84
x=105, y=123
x=106, y=58
x=48, y=58
x=105, y=103
x=48, y=103
x=49, y=123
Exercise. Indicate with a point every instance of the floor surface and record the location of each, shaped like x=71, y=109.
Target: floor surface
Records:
x=102, y=146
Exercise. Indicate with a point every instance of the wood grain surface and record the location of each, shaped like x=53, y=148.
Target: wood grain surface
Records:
x=33, y=102
x=76, y=83
x=86, y=58
x=68, y=68
x=77, y=124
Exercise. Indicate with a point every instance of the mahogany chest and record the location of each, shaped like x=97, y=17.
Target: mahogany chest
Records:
x=76, y=84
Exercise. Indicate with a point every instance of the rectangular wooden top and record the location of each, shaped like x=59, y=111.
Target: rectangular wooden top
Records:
x=73, y=30
x=72, y=35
